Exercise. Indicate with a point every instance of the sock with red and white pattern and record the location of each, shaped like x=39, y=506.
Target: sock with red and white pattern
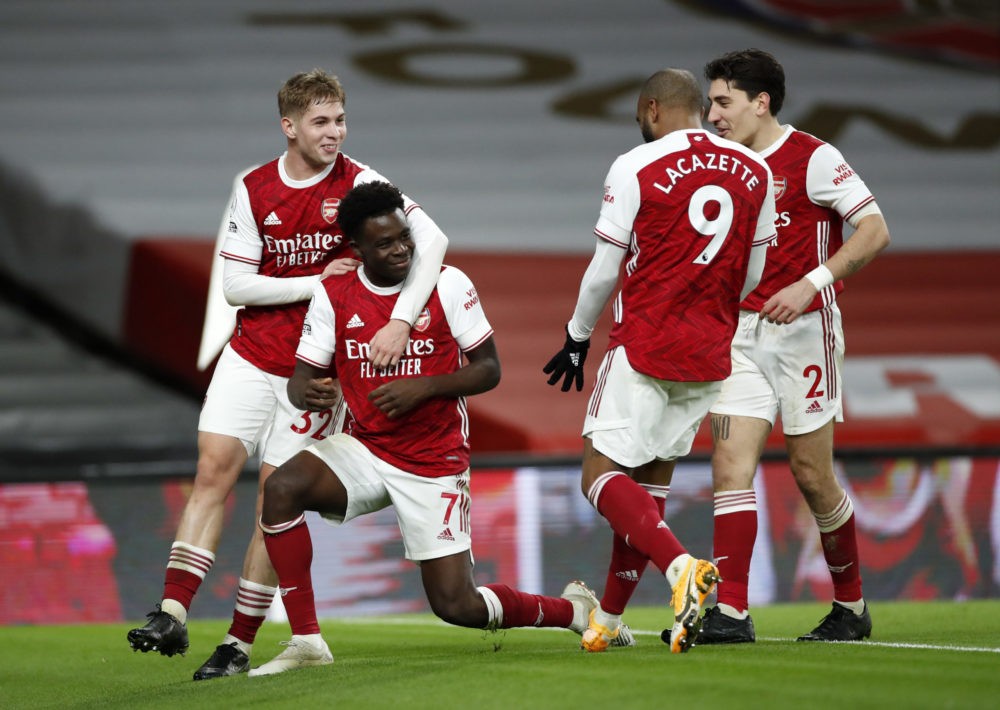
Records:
x=510, y=608
x=840, y=548
x=186, y=570
x=289, y=546
x=734, y=537
x=634, y=516
x=252, y=602
x=628, y=564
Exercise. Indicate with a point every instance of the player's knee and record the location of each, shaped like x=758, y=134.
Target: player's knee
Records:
x=282, y=489
x=460, y=611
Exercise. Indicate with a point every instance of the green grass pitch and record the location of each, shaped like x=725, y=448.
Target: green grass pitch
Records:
x=922, y=655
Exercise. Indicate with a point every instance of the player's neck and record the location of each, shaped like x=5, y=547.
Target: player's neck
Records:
x=298, y=168
x=767, y=136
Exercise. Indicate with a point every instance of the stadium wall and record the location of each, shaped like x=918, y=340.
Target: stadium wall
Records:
x=94, y=551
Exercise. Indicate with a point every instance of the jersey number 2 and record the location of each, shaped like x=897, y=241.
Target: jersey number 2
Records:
x=718, y=228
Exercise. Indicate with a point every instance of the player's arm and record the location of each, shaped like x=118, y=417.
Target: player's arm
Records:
x=599, y=280
x=480, y=373
x=388, y=344
x=853, y=201
x=242, y=284
x=310, y=386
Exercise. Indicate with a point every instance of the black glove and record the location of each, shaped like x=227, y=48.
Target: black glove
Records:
x=569, y=362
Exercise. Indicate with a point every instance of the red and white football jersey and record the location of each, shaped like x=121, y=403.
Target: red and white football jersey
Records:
x=688, y=207
x=287, y=228
x=815, y=191
x=345, y=314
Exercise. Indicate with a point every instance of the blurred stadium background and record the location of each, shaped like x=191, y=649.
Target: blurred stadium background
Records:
x=123, y=123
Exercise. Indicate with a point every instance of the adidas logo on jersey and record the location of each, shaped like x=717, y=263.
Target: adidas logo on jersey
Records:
x=446, y=535
x=271, y=220
x=355, y=322
x=628, y=575
x=814, y=408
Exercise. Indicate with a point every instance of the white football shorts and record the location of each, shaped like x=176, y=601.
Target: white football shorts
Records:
x=794, y=369
x=433, y=513
x=251, y=405
x=633, y=418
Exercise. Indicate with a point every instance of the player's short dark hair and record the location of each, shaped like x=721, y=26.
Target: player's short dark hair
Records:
x=674, y=88
x=370, y=199
x=753, y=71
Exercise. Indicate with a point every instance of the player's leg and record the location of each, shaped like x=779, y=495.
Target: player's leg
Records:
x=811, y=460
x=454, y=597
x=255, y=591
x=742, y=419
x=220, y=460
x=627, y=565
x=237, y=409
x=737, y=446
x=634, y=420
x=306, y=482
x=291, y=431
x=810, y=391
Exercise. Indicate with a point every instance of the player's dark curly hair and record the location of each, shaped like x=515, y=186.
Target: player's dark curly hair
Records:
x=753, y=71
x=370, y=199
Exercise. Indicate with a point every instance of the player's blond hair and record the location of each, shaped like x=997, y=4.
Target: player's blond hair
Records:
x=674, y=88
x=307, y=89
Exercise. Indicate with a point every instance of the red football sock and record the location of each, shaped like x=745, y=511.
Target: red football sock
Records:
x=628, y=564
x=186, y=568
x=252, y=602
x=289, y=546
x=634, y=516
x=523, y=609
x=840, y=548
x=735, y=534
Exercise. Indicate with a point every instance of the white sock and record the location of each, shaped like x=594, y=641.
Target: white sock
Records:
x=732, y=613
x=857, y=607
x=175, y=609
x=240, y=644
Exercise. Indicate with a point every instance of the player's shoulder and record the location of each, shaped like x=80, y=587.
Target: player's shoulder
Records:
x=731, y=146
x=260, y=170
x=351, y=166
x=452, y=278
x=803, y=143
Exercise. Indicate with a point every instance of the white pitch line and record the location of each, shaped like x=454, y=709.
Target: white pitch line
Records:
x=410, y=621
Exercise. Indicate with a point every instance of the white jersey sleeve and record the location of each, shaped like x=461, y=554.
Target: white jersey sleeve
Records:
x=462, y=308
x=428, y=255
x=596, y=287
x=242, y=285
x=317, y=343
x=620, y=203
x=832, y=183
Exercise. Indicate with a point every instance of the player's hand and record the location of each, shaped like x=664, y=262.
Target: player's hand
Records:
x=398, y=397
x=339, y=267
x=322, y=393
x=789, y=303
x=568, y=362
x=389, y=343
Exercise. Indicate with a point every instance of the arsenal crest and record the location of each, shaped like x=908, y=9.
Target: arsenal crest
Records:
x=779, y=186
x=329, y=209
x=423, y=320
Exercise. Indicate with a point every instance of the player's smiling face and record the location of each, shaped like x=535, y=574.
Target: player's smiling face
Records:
x=386, y=248
x=318, y=134
x=733, y=113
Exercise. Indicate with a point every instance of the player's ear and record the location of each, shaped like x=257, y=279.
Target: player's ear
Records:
x=288, y=127
x=356, y=250
x=762, y=104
